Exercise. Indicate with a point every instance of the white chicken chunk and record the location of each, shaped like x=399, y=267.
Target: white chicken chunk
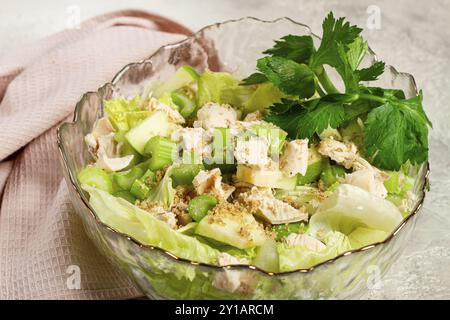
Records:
x=295, y=157
x=225, y=259
x=364, y=176
x=304, y=240
x=264, y=204
x=211, y=182
x=213, y=115
x=194, y=140
x=173, y=115
x=367, y=179
x=253, y=151
x=346, y=154
x=103, y=147
x=233, y=280
x=165, y=216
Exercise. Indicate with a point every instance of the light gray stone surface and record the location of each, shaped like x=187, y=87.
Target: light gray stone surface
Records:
x=413, y=36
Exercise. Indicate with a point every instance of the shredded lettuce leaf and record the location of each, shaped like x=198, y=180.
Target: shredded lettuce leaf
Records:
x=350, y=207
x=362, y=237
x=125, y=114
x=164, y=193
x=212, y=84
x=124, y=217
x=299, y=257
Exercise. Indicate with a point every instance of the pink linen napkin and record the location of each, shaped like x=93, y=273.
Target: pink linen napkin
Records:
x=42, y=241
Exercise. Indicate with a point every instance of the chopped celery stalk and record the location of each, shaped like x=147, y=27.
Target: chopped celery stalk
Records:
x=313, y=172
x=157, y=124
x=126, y=150
x=316, y=163
x=222, y=146
x=139, y=189
x=199, y=206
x=183, y=174
x=162, y=151
x=211, y=84
x=148, y=178
x=144, y=165
x=125, y=179
x=97, y=178
x=275, y=136
x=186, y=105
x=125, y=195
x=166, y=98
x=266, y=95
x=330, y=174
x=267, y=256
x=184, y=76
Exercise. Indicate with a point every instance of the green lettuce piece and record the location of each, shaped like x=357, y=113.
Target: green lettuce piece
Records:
x=265, y=95
x=164, y=193
x=398, y=183
x=124, y=217
x=125, y=114
x=299, y=257
x=96, y=177
x=212, y=84
x=350, y=207
x=362, y=237
x=236, y=96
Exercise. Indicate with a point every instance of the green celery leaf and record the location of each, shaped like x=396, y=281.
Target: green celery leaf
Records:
x=291, y=77
x=371, y=73
x=356, y=52
x=396, y=132
x=254, y=78
x=303, y=121
x=386, y=93
x=284, y=106
x=296, y=48
x=359, y=108
x=334, y=32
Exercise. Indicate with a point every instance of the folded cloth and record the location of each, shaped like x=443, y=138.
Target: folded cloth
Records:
x=43, y=248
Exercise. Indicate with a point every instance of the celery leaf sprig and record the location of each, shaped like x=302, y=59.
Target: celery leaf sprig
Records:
x=396, y=128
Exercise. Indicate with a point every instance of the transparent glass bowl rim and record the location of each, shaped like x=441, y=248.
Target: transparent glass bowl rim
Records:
x=423, y=179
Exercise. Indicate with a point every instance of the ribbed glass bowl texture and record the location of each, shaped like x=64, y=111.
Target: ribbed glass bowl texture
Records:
x=232, y=46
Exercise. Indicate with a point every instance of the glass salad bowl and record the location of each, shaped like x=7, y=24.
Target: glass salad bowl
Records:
x=232, y=46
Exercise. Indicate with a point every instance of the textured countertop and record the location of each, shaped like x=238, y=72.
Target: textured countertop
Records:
x=412, y=36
